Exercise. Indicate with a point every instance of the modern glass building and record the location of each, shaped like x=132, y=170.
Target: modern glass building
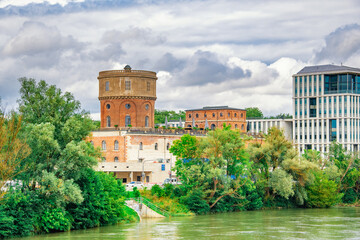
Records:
x=326, y=102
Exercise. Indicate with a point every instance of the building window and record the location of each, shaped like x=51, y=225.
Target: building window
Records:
x=146, y=121
x=148, y=86
x=162, y=167
x=168, y=146
x=228, y=114
x=127, y=85
x=236, y=126
x=92, y=143
x=235, y=114
x=116, y=159
x=156, y=146
x=213, y=114
x=221, y=114
x=103, y=159
x=107, y=86
x=127, y=106
x=147, y=107
x=242, y=115
x=103, y=145
x=197, y=115
x=212, y=126
x=116, y=145
x=141, y=146
x=205, y=115
x=107, y=106
x=242, y=127
x=189, y=115
x=108, y=121
x=127, y=121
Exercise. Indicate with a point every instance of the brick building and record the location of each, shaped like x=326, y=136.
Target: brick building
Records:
x=127, y=97
x=215, y=117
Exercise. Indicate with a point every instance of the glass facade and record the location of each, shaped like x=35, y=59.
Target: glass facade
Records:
x=341, y=83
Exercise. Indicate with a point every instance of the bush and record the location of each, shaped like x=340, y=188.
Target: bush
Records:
x=54, y=220
x=195, y=202
x=350, y=196
x=136, y=192
x=156, y=190
x=168, y=190
x=323, y=193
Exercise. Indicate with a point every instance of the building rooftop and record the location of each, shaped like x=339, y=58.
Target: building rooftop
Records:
x=327, y=68
x=214, y=108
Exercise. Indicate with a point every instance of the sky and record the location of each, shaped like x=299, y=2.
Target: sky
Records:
x=239, y=53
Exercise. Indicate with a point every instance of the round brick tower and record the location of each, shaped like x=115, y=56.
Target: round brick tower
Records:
x=127, y=97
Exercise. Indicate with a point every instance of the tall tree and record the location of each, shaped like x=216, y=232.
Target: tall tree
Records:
x=254, y=112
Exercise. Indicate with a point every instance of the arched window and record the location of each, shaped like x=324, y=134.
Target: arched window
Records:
x=197, y=115
x=189, y=125
x=107, y=86
x=116, y=145
x=141, y=146
x=236, y=126
x=156, y=146
x=168, y=146
x=116, y=159
x=127, y=121
x=228, y=114
x=212, y=126
x=213, y=114
x=205, y=115
x=189, y=115
x=242, y=115
x=235, y=114
x=103, y=145
x=103, y=159
x=108, y=121
x=242, y=127
x=146, y=121
x=221, y=114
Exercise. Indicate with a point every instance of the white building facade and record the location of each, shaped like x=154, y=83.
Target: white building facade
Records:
x=326, y=102
x=256, y=126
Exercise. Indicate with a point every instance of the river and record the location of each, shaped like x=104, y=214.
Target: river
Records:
x=333, y=223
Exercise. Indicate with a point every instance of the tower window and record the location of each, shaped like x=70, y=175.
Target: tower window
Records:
x=107, y=86
x=127, y=121
x=108, y=121
x=127, y=85
x=127, y=106
x=148, y=86
x=147, y=107
x=146, y=121
x=107, y=106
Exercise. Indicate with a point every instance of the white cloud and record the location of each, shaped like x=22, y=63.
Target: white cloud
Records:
x=5, y=3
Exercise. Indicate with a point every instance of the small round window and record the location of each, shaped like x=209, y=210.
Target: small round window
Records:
x=147, y=106
x=127, y=106
x=107, y=106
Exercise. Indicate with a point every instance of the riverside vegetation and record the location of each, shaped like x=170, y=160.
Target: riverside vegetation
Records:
x=43, y=146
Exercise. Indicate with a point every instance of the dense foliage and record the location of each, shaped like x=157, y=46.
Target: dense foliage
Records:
x=219, y=174
x=171, y=115
x=51, y=159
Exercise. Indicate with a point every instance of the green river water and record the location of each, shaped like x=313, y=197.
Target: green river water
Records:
x=334, y=223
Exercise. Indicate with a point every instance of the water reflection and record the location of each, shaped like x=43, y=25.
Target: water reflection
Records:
x=336, y=223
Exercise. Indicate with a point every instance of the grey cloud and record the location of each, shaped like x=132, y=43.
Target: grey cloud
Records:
x=111, y=52
x=204, y=68
x=169, y=63
x=341, y=44
x=133, y=34
x=36, y=37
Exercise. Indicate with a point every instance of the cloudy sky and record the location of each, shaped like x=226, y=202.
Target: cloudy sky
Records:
x=240, y=53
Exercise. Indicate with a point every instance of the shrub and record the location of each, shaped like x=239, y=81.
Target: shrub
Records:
x=136, y=192
x=156, y=190
x=323, y=192
x=53, y=220
x=168, y=190
x=195, y=202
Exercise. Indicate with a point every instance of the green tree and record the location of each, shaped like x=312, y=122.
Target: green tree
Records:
x=12, y=149
x=171, y=115
x=254, y=112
